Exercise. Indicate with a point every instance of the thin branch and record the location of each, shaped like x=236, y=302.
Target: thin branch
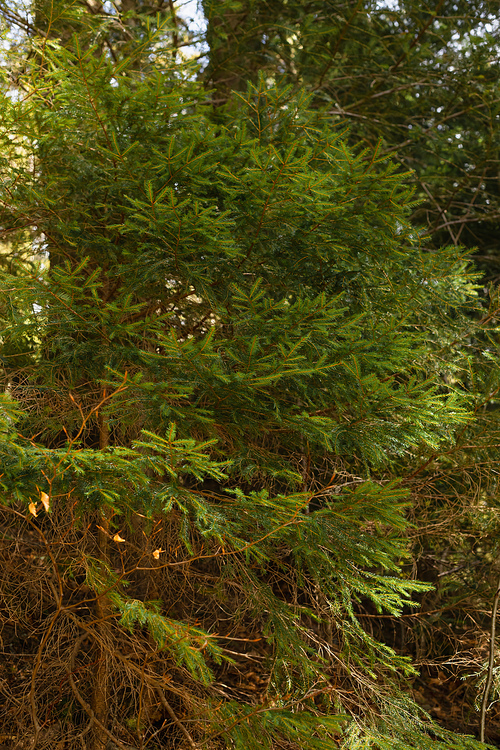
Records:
x=491, y=662
x=83, y=703
x=168, y=708
x=418, y=37
x=337, y=45
x=442, y=212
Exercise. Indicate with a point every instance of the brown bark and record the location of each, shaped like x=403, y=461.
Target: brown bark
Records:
x=103, y=614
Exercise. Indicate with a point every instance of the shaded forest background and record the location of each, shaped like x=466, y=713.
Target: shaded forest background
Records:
x=250, y=374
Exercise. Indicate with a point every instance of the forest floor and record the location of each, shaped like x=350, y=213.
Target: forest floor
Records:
x=447, y=698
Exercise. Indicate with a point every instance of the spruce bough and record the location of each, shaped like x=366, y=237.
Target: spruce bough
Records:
x=216, y=344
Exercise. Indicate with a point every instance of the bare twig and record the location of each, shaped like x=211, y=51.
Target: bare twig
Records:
x=83, y=703
x=489, y=677
x=168, y=708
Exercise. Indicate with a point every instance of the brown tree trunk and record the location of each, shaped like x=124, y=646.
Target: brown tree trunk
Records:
x=100, y=698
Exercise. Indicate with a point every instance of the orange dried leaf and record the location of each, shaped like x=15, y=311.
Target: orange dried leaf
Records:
x=45, y=500
x=157, y=553
x=118, y=538
x=32, y=509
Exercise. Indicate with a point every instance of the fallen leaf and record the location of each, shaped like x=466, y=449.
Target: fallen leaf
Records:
x=45, y=500
x=157, y=552
x=32, y=509
x=118, y=538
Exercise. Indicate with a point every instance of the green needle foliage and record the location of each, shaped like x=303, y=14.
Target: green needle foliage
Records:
x=420, y=76
x=210, y=374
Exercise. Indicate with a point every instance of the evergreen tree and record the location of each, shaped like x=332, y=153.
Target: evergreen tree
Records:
x=210, y=376
x=424, y=80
